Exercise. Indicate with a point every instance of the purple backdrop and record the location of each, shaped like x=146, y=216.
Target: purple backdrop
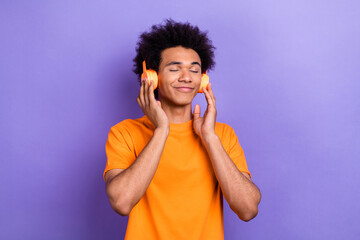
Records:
x=287, y=80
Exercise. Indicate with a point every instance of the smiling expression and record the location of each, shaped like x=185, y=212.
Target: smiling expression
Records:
x=179, y=76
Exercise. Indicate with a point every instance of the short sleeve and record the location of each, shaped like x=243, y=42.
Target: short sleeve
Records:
x=120, y=150
x=235, y=151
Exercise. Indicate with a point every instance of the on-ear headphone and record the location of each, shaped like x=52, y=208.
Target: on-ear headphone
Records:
x=151, y=75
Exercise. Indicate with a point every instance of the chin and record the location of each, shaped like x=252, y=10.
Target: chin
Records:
x=183, y=100
x=182, y=103
x=179, y=101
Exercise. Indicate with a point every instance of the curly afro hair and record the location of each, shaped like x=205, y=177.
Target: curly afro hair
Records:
x=172, y=34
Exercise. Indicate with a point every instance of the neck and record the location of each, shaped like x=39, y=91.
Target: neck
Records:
x=177, y=114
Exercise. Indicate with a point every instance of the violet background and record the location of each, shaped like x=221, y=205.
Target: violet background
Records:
x=286, y=79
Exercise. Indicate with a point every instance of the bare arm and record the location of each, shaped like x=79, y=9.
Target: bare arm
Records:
x=239, y=191
x=126, y=187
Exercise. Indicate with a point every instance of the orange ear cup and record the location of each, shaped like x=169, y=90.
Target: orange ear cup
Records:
x=149, y=75
x=204, y=82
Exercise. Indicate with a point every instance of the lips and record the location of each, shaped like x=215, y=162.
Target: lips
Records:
x=184, y=89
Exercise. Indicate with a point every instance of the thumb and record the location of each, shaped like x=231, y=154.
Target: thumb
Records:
x=158, y=103
x=196, y=113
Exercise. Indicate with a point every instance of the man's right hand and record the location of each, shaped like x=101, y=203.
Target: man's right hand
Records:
x=151, y=107
x=126, y=187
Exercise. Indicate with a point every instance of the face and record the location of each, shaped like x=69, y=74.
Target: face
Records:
x=179, y=76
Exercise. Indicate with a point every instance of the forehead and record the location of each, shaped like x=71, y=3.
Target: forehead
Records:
x=179, y=54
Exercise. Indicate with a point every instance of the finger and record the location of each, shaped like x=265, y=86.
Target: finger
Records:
x=197, y=112
x=141, y=93
x=138, y=101
x=146, y=95
x=209, y=100
x=151, y=92
x=158, y=103
x=211, y=93
x=140, y=104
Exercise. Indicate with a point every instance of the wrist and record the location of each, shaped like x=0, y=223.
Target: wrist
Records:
x=210, y=139
x=162, y=130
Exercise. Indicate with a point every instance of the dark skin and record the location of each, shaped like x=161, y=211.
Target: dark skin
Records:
x=179, y=81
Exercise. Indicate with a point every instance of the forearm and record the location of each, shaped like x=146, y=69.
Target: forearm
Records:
x=240, y=192
x=127, y=188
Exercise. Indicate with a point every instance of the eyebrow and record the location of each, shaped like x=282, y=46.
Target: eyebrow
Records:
x=179, y=63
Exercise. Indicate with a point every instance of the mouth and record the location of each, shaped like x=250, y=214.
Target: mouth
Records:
x=184, y=89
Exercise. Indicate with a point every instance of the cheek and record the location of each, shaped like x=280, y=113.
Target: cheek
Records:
x=198, y=81
x=163, y=83
x=166, y=79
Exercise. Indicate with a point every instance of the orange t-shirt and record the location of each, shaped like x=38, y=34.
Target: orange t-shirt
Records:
x=184, y=199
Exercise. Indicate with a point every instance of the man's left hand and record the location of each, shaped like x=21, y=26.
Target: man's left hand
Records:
x=205, y=126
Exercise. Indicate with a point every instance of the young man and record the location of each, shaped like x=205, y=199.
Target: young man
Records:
x=169, y=169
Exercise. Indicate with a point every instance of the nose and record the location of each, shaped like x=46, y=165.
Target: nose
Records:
x=185, y=76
